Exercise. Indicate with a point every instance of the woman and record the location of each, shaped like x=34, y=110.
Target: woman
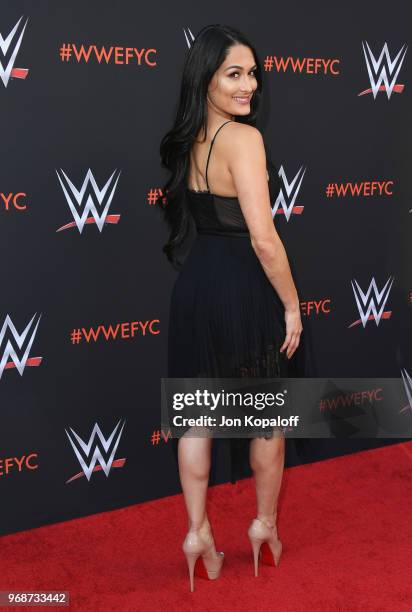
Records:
x=234, y=307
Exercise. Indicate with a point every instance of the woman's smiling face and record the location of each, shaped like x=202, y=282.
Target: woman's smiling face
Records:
x=234, y=83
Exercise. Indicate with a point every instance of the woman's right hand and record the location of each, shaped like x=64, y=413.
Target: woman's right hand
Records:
x=293, y=330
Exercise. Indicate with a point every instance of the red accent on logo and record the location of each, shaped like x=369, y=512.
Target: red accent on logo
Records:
x=109, y=219
x=398, y=88
x=32, y=361
x=117, y=463
x=385, y=315
x=19, y=73
x=296, y=210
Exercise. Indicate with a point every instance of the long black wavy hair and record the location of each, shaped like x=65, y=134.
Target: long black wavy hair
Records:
x=208, y=51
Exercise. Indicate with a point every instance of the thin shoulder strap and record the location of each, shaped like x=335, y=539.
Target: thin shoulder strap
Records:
x=210, y=148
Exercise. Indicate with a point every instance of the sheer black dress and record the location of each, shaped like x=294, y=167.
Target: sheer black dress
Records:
x=225, y=317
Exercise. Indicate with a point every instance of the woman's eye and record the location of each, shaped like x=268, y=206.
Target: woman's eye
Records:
x=233, y=73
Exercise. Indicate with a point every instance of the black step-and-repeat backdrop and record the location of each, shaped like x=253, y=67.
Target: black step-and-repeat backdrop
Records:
x=87, y=90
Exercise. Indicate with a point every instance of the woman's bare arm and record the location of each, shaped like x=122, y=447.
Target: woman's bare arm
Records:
x=245, y=152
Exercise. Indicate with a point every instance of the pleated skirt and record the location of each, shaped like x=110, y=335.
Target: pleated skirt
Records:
x=226, y=320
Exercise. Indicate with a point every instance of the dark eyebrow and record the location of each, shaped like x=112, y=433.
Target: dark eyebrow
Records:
x=254, y=66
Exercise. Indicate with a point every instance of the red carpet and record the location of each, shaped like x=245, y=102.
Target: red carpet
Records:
x=345, y=524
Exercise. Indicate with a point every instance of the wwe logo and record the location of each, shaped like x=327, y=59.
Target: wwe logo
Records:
x=5, y=45
x=83, y=200
x=287, y=201
x=380, y=72
x=407, y=381
x=190, y=40
x=92, y=452
x=20, y=340
x=370, y=301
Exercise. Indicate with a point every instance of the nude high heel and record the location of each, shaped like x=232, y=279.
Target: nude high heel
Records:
x=202, y=558
x=264, y=538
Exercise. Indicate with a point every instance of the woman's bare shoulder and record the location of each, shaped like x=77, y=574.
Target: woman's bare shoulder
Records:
x=241, y=135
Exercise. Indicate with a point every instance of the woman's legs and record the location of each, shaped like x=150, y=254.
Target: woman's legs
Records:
x=194, y=456
x=267, y=458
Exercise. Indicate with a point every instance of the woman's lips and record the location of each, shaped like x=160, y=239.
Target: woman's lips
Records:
x=242, y=99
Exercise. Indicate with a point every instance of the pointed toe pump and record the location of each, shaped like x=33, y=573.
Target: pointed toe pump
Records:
x=264, y=540
x=202, y=558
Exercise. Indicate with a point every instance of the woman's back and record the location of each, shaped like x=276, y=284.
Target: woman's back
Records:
x=218, y=210
x=205, y=168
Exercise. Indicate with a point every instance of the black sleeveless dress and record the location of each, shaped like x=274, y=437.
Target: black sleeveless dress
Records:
x=226, y=319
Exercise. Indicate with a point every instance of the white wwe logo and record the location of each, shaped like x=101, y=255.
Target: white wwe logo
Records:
x=377, y=70
x=19, y=340
x=369, y=302
x=83, y=200
x=407, y=381
x=190, y=40
x=90, y=448
x=5, y=44
x=291, y=191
